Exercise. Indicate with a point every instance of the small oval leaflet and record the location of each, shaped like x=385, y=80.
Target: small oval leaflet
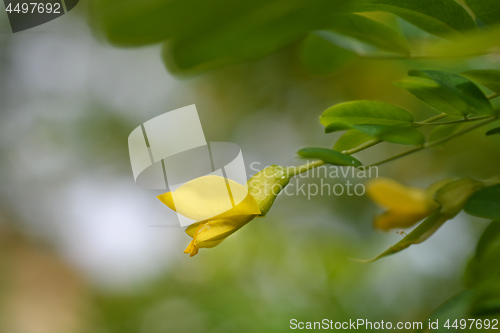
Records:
x=344, y=116
x=493, y=131
x=329, y=156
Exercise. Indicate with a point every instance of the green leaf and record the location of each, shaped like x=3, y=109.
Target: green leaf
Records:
x=443, y=131
x=460, y=86
x=370, y=32
x=329, y=156
x=471, y=44
x=134, y=23
x=348, y=43
x=437, y=97
x=483, y=272
x=344, y=116
x=493, y=131
x=265, y=27
x=487, y=77
x=351, y=139
x=488, y=11
x=487, y=301
x=490, y=237
x=319, y=56
x=482, y=302
x=484, y=265
x=404, y=135
x=485, y=203
x=438, y=17
x=204, y=34
x=456, y=307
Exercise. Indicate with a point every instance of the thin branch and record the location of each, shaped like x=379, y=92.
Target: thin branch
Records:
x=375, y=56
x=295, y=170
x=465, y=120
x=434, y=143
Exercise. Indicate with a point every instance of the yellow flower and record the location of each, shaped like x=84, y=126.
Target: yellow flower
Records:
x=405, y=205
x=220, y=206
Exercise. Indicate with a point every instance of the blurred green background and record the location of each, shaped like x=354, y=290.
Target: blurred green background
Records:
x=83, y=249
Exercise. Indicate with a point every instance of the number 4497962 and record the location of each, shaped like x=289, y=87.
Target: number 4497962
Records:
x=35, y=7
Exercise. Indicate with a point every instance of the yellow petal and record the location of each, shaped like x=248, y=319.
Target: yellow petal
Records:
x=167, y=199
x=209, y=244
x=213, y=232
x=389, y=193
x=192, y=249
x=392, y=219
x=191, y=229
x=247, y=207
x=209, y=197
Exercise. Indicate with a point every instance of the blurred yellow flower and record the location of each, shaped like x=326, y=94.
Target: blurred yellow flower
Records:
x=221, y=206
x=405, y=205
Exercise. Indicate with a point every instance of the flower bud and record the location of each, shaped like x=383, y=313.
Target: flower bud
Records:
x=405, y=205
x=266, y=184
x=453, y=196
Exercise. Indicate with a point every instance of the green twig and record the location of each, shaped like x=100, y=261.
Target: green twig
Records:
x=364, y=146
x=433, y=119
x=434, y=143
x=295, y=170
x=377, y=141
x=465, y=120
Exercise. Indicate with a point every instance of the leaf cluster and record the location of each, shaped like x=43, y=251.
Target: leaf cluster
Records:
x=202, y=35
